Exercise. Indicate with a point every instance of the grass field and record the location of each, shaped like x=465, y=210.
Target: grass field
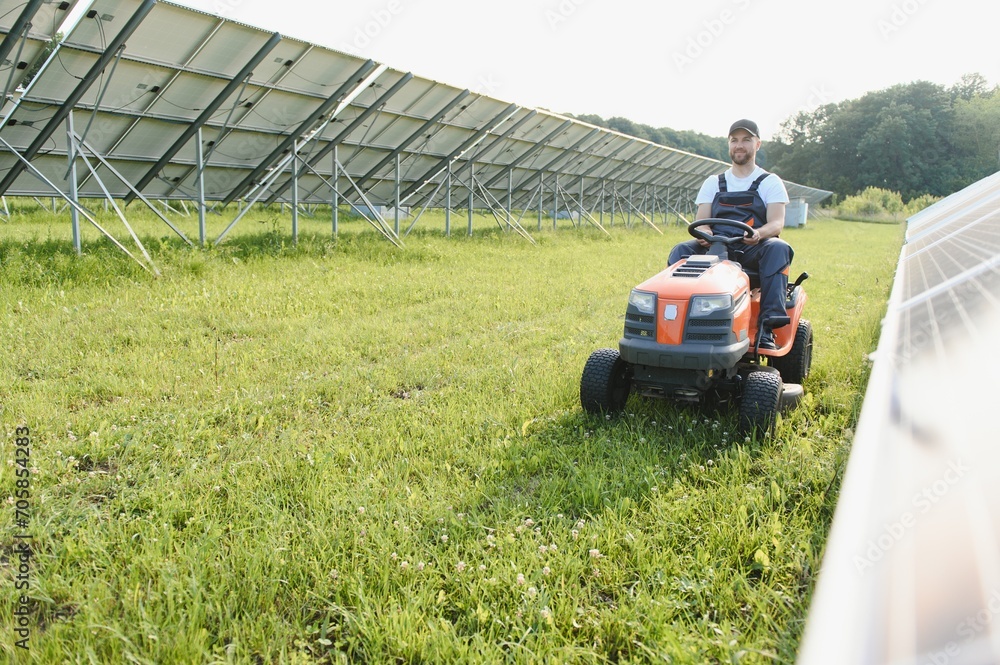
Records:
x=347, y=452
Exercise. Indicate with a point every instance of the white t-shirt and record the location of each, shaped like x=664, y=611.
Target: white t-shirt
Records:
x=771, y=190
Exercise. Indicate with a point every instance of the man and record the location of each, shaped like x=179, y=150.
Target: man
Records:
x=749, y=194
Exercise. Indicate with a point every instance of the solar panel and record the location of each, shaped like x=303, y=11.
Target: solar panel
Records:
x=911, y=572
x=251, y=95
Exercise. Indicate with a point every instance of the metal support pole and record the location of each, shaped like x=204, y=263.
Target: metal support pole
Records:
x=200, y=180
x=581, y=201
x=472, y=179
x=295, y=193
x=510, y=195
x=395, y=225
x=541, y=197
x=555, y=204
x=73, y=192
x=614, y=197
x=602, y=202
x=628, y=224
x=335, y=195
x=447, y=203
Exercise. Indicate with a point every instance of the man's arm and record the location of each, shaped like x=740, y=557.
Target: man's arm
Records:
x=775, y=222
x=704, y=212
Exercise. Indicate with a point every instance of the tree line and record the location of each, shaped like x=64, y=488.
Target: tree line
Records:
x=917, y=139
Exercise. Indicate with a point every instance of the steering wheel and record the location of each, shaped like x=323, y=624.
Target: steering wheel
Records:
x=694, y=228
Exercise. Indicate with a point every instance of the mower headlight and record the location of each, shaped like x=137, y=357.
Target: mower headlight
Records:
x=642, y=301
x=705, y=305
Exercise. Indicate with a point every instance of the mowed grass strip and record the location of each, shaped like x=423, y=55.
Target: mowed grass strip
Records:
x=347, y=452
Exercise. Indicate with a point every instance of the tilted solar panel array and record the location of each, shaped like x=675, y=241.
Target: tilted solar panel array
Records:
x=911, y=572
x=146, y=79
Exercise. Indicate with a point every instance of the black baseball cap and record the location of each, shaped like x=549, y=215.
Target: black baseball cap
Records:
x=748, y=125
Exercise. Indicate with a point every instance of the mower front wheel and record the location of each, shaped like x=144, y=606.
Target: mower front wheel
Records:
x=760, y=402
x=606, y=382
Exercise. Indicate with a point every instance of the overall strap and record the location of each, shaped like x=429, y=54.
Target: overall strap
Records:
x=756, y=183
x=722, y=183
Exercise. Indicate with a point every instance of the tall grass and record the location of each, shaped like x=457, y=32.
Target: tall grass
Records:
x=346, y=452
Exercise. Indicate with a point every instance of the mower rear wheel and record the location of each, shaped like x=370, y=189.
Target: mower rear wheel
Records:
x=606, y=382
x=794, y=366
x=760, y=401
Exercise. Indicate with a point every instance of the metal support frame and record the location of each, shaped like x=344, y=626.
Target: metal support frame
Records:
x=295, y=194
x=208, y=112
x=529, y=152
x=78, y=92
x=472, y=178
x=584, y=214
x=541, y=197
x=353, y=82
x=31, y=168
x=494, y=205
x=318, y=156
x=466, y=145
x=79, y=143
x=551, y=165
x=555, y=203
x=73, y=188
x=413, y=137
x=200, y=157
x=334, y=194
x=395, y=226
x=447, y=204
x=18, y=34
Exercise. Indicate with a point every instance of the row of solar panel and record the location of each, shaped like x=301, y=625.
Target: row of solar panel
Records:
x=255, y=95
x=911, y=572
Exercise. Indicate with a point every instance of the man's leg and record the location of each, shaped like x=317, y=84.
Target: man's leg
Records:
x=683, y=250
x=771, y=259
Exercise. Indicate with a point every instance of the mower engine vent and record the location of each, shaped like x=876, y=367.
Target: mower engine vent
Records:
x=696, y=266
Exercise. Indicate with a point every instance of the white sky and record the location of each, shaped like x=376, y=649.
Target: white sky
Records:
x=691, y=65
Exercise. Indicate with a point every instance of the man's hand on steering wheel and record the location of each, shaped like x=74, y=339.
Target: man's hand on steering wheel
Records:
x=705, y=237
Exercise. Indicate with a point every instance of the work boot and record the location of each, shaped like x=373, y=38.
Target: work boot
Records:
x=767, y=341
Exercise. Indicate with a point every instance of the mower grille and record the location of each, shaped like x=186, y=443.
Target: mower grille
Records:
x=638, y=324
x=705, y=337
x=708, y=330
x=637, y=332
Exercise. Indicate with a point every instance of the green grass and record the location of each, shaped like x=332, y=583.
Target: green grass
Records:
x=346, y=452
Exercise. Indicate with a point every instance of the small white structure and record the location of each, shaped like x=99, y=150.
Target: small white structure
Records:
x=796, y=212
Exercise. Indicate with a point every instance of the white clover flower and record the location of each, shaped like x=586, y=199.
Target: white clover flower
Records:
x=595, y=553
x=520, y=578
x=460, y=566
x=546, y=570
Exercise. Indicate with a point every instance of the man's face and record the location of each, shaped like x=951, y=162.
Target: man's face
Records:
x=743, y=147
